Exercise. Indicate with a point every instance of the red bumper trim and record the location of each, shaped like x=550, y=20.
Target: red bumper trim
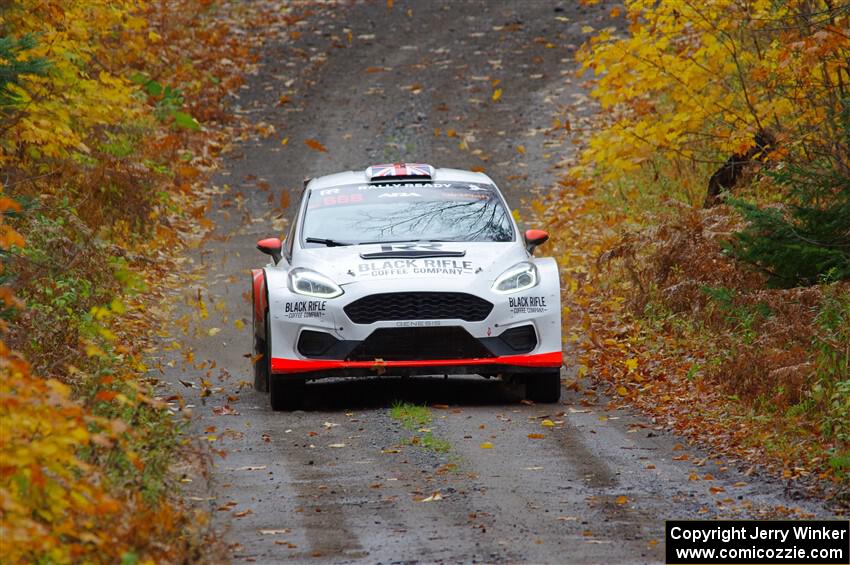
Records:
x=280, y=365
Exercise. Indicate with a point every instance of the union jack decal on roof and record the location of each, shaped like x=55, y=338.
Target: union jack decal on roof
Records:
x=392, y=170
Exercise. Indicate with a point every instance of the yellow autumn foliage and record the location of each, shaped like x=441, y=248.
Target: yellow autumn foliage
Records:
x=88, y=44
x=51, y=501
x=698, y=81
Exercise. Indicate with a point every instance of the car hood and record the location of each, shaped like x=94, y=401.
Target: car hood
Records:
x=444, y=261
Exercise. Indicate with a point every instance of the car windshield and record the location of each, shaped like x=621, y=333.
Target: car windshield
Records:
x=405, y=211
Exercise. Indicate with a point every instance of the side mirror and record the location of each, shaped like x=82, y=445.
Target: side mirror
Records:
x=270, y=246
x=533, y=238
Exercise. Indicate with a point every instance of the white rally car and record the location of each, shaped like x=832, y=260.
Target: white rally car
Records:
x=405, y=269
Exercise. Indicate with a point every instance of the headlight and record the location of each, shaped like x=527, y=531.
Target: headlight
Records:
x=521, y=276
x=311, y=283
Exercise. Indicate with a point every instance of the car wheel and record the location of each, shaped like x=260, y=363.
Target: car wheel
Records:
x=286, y=392
x=543, y=387
x=261, y=364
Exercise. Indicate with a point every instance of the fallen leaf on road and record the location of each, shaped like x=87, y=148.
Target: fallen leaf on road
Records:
x=275, y=532
x=286, y=543
x=486, y=445
x=532, y=468
x=434, y=497
x=337, y=445
x=497, y=94
x=243, y=513
x=740, y=484
x=567, y=519
x=225, y=411
x=329, y=425
x=315, y=145
x=213, y=331
x=536, y=436
x=547, y=423
x=716, y=490
x=622, y=499
x=251, y=468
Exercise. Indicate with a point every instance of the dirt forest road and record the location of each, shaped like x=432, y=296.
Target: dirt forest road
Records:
x=339, y=481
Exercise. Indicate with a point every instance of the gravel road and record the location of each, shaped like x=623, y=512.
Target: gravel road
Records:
x=341, y=481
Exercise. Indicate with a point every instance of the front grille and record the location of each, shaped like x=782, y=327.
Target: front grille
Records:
x=407, y=344
x=418, y=306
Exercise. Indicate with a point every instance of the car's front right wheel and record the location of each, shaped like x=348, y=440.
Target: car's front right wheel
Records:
x=543, y=387
x=286, y=392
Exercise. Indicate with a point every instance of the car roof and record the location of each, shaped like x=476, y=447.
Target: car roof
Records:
x=359, y=177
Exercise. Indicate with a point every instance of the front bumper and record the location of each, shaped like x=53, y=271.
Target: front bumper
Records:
x=506, y=364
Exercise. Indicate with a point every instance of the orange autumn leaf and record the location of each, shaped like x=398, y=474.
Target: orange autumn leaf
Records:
x=105, y=395
x=315, y=145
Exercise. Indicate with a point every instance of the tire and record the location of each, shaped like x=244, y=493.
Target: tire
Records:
x=543, y=387
x=286, y=392
x=261, y=365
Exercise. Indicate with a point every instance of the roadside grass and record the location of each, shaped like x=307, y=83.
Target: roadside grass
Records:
x=415, y=418
x=411, y=416
x=428, y=441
